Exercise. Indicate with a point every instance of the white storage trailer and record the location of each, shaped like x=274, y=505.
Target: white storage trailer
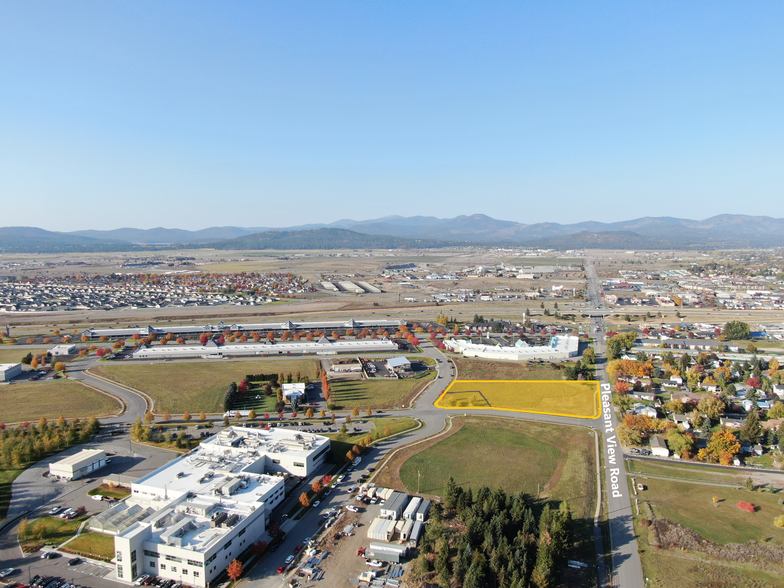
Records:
x=412, y=507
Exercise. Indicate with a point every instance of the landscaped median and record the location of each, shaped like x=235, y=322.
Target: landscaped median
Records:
x=568, y=398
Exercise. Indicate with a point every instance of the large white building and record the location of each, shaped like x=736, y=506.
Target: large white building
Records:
x=78, y=465
x=212, y=350
x=8, y=371
x=203, y=510
x=560, y=347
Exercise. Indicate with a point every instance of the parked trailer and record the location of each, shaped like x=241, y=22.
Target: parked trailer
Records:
x=412, y=507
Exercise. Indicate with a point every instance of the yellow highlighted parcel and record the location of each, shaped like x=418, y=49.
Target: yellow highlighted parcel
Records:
x=570, y=398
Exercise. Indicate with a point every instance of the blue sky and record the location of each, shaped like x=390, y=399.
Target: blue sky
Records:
x=198, y=114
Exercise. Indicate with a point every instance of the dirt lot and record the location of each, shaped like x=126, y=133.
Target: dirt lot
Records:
x=342, y=562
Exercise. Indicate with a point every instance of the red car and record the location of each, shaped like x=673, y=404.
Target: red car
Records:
x=280, y=569
x=298, y=548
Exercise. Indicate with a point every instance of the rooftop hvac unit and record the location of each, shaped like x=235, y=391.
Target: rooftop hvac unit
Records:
x=218, y=519
x=231, y=521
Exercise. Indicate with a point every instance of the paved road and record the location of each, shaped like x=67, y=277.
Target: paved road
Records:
x=627, y=568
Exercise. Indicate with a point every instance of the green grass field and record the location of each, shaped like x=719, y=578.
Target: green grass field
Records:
x=557, y=461
x=29, y=401
x=375, y=393
x=90, y=544
x=48, y=530
x=480, y=369
x=14, y=354
x=564, y=398
x=342, y=443
x=691, y=505
x=197, y=386
x=686, y=472
x=117, y=492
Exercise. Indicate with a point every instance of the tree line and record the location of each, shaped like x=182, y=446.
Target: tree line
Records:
x=28, y=443
x=504, y=543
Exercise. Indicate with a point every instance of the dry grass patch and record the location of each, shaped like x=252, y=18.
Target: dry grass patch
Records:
x=565, y=398
x=29, y=401
x=480, y=369
x=14, y=354
x=197, y=386
x=376, y=393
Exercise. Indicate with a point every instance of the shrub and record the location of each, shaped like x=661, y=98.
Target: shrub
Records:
x=779, y=521
x=747, y=506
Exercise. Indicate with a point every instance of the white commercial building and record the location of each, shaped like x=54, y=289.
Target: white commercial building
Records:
x=65, y=349
x=79, y=464
x=212, y=350
x=9, y=371
x=208, y=507
x=560, y=347
x=220, y=327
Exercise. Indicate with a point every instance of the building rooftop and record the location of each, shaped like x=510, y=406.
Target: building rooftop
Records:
x=83, y=455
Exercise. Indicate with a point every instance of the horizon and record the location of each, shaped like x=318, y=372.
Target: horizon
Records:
x=128, y=115
x=328, y=223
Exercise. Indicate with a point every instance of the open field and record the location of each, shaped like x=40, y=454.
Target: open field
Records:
x=555, y=461
x=197, y=386
x=479, y=369
x=691, y=505
x=677, y=471
x=90, y=544
x=477, y=457
x=564, y=398
x=29, y=401
x=14, y=354
x=362, y=394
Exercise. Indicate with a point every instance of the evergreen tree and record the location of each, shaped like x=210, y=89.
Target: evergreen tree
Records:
x=751, y=431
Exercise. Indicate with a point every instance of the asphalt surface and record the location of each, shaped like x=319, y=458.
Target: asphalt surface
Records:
x=627, y=568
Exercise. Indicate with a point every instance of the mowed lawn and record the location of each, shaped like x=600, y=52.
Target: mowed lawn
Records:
x=348, y=394
x=569, y=398
x=29, y=401
x=197, y=386
x=480, y=369
x=691, y=505
x=14, y=354
x=93, y=544
x=558, y=461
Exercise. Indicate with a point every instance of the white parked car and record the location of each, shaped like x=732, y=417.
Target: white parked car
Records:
x=289, y=559
x=98, y=497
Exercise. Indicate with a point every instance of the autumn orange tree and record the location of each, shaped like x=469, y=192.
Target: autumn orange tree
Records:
x=316, y=486
x=234, y=571
x=722, y=448
x=304, y=500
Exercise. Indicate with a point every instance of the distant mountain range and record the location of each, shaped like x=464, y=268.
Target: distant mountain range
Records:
x=395, y=232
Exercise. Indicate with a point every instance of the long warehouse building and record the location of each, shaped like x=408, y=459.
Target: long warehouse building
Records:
x=213, y=350
x=220, y=327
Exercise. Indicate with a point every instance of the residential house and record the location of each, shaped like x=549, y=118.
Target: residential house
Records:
x=659, y=446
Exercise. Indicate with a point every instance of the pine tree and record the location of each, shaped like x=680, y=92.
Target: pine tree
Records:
x=751, y=431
